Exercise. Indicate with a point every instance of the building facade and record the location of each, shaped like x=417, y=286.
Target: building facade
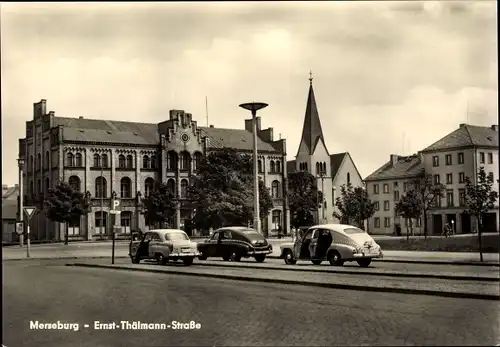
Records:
x=116, y=160
x=331, y=170
x=9, y=214
x=449, y=161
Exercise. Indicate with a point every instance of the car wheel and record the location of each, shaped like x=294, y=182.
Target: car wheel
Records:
x=260, y=258
x=364, y=262
x=202, y=256
x=188, y=261
x=234, y=256
x=316, y=262
x=160, y=259
x=335, y=259
x=289, y=258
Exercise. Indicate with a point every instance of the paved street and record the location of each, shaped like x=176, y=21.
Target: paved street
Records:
x=229, y=313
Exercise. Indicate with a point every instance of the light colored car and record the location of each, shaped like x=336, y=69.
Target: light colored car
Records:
x=336, y=243
x=164, y=245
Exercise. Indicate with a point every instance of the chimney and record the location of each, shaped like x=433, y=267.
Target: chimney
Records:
x=462, y=125
x=394, y=159
x=258, y=123
x=16, y=185
x=211, y=125
x=248, y=125
x=80, y=117
x=494, y=127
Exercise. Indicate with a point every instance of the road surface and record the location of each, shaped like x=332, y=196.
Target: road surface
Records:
x=229, y=313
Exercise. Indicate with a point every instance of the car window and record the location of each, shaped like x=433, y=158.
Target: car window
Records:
x=155, y=237
x=308, y=235
x=315, y=234
x=215, y=236
x=148, y=237
x=176, y=236
x=354, y=231
x=227, y=234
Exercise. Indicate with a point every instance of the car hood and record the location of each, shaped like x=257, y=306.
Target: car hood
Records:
x=362, y=238
x=182, y=243
x=287, y=245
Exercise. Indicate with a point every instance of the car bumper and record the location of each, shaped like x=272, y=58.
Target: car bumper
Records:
x=184, y=255
x=253, y=252
x=368, y=255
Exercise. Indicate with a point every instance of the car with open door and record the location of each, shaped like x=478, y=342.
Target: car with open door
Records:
x=234, y=243
x=163, y=245
x=336, y=243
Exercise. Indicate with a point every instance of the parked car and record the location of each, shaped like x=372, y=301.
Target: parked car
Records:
x=163, y=245
x=234, y=243
x=336, y=243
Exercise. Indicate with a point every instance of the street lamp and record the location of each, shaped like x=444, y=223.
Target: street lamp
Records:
x=254, y=107
x=20, y=164
x=321, y=174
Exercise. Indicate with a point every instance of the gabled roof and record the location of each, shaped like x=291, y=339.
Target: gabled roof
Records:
x=234, y=138
x=290, y=166
x=466, y=135
x=11, y=193
x=335, y=162
x=311, y=130
x=405, y=167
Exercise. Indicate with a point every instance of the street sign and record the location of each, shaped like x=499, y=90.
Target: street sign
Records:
x=19, y=228
x=29, y=211
x=116, y=204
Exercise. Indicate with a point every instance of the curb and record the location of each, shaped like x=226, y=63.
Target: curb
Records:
x=309, y=284
x=67, y=258
x=423, y=262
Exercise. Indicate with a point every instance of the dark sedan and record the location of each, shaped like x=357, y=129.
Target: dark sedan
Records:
x=234, y=243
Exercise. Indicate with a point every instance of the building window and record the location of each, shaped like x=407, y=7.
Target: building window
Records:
x=172, y=161
x=461, y=158
x=146, y=164
x=104, y=161
x=125, y=187
x=481, y=157
x=153, y=161
x=185, y=161
x=448, y=159
x=97, y=160
x=38, y=186
x=197, y=161
x=100, y=188
x=375, y=189
x=387, y=205
x=74, y=227
x=377, y=222
x=449, y=178
x=419, y=222
x=47, y=185
x=69, y=160
x=130, y=162
x=386, y=188
x=275, y=189
x=125, y=221
x=148, y=186
x=31, y=190
x=101, y=221
x=406, y=222
x=272, y=168
x=387, y=222
x=259, y=166
x=395, y=184
x=437, y=179
x=184, y=188
x=349, y=179
x=121, y=161
x=405, y=187
x=276, y=217
x=74, y=183
x=396, y=195
x=461, y=197
x=78, y=160
x=449, y=198
x=31, y=165
x=47, y=158
x=278, y=166
x=461, y=177
x=39, y=161
x=435, y=161
x=171, y=186
x=376, y=206
x=490, y=158
x=438, y=201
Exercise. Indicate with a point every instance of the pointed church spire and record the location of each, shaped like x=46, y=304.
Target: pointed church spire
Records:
x=311, y=129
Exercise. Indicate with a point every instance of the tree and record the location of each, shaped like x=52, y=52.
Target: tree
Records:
x=160, y=206
x=303, y=197
x=480, y=199
x=353, y=205
x=409, y=207
x=428, y=193
x=66, y=205
x=222, y=192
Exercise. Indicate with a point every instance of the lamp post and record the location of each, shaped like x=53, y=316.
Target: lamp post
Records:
x=20, y=163
x=322, y=174
x=254, y=107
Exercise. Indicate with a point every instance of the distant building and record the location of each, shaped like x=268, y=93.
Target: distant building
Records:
x=9, y=213
x=122, y=160
x=331, y=170
x=449, y=160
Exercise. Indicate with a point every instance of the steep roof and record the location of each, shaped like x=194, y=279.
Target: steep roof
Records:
x=466, y=135
x=11, y=193
x=336, y=161
x=9, y=209
x=234, y=138
x=311, y=130
x=410, y=166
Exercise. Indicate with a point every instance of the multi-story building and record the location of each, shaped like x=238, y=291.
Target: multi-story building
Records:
x=450, y=160
x=110, y=160
x=331, y=170
x=9, y=213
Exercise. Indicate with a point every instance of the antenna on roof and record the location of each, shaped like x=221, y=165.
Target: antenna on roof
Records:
x=403, y=143
x=206, y=108
x=467, y=113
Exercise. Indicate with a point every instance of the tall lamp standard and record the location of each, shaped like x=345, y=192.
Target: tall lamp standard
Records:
x=20, y=163
x=254, y=107
x=322, y=174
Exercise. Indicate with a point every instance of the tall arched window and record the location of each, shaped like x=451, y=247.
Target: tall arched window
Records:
x=171, y=186
x=31, y=191
x=69, y=159
x=324, y=168
x=101, y=221
x=38, y=187
x=31, y=165
x=259, y=165
x=78, y=160
x=153, y=161
x=104, y=160
x=197, y=161
x=125, y=187
x=185, y=161
x=184, y=188
x=74, y=183
x=278, y=166
x=145, y=162
x=97, y=160
x=125, y=221
x=148, y=186
x=272, y=168
x=348, y=178
x=47, y=159
x=121, y=161
x=318, y=168
x=275, y=189
x=39, y=161
x=101, y=190
x=47, y=186
x=276, y=216
x=130, y=162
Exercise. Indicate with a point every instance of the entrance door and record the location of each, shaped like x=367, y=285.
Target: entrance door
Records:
x=437, y=224
x=465, y=221
x=489, y=223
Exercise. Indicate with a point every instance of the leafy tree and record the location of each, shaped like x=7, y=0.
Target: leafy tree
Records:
x=353, y=205
x=222, y=192
x=160, y=206
x=409, y=207
x=66, y=205
x=303, y=197
x=480, y=199
x=428, y=193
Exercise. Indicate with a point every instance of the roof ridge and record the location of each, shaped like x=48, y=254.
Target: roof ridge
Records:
x=466, y=126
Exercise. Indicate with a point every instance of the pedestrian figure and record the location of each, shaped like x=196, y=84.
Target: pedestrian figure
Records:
x=446, y=230
x=279, y=232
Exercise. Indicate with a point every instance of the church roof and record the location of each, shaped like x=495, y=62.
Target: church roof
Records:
x=311, y=130
x=467, y=135
x=336, y=161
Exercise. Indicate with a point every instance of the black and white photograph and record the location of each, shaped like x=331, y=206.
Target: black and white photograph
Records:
x=261, y=173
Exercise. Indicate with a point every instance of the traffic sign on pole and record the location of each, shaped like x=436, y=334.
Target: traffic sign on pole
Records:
x=29, y=211
x=19, y=228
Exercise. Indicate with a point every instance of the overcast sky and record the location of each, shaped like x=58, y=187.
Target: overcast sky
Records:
x=383, y=71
